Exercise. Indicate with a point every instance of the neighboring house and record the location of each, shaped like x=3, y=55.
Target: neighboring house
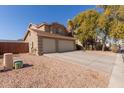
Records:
x=48, y=38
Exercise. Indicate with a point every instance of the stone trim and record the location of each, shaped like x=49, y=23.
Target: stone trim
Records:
x=40, y=45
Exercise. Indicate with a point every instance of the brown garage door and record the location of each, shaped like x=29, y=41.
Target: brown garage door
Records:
x=49, y=45
x=13, y=47
x=65, y=45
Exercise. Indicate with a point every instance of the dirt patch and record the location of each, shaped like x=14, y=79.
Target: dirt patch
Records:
x=47, y=72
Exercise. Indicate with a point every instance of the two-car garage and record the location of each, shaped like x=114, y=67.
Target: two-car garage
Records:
x=57, y=45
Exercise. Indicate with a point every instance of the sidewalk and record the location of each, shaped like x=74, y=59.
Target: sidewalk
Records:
x=117, y=77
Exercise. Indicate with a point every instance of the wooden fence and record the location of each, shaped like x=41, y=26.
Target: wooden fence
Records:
x=13, y=47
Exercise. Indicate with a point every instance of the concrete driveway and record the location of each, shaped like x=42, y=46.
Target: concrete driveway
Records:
x=96, y=60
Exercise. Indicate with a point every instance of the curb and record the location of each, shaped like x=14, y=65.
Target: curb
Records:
x=117, y=76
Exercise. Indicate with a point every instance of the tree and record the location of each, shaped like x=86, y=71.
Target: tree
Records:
x=108, y=23
x=104, y=24
x=116, y=14
x=84, y=25
x=117, y=30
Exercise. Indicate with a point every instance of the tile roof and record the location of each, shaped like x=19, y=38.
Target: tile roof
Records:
x=46, y=34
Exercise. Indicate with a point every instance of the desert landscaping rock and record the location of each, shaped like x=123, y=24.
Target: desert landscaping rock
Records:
x=46, y=72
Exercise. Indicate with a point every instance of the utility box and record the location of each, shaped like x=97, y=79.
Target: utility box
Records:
x=8, y=61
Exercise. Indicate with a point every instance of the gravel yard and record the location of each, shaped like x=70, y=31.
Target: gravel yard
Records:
x=41, y=71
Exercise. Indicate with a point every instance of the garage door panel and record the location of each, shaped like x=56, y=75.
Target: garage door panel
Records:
x=64, y=45
x=49, y=45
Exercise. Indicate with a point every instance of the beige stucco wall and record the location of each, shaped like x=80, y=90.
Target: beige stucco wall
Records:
x=42, y=28
x=47, y=28
x=33, y=42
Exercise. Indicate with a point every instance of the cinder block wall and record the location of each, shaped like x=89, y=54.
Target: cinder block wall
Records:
x=13, y=47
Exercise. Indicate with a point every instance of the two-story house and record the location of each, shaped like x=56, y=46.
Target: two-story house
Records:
x=47, y=38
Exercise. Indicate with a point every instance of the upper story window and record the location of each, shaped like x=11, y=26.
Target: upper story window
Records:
x=55, y=31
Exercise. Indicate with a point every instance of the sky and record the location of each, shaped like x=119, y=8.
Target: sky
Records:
x=14, y=20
